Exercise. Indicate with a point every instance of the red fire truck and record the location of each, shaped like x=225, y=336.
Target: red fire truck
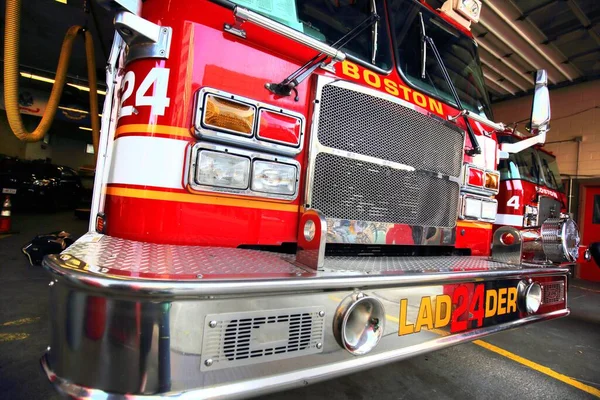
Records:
x=531, y=189
x=288, y=191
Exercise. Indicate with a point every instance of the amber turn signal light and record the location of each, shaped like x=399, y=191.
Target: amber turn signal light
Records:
x=492, y=181
x=229, y=115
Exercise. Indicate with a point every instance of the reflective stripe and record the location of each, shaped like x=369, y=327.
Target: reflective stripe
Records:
x=5, y=213
x=509, y=219
x=148, y=161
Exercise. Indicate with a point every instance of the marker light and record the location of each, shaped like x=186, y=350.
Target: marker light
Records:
x=279, y=128
x=224, y=170
x=359, y=323
x=273, y=177
x=228, y=115
x=529, y=296
x=475, y=177
x=492, y=180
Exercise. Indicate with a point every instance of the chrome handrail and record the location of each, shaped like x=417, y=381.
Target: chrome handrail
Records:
x=499, y=127
x=276, y=27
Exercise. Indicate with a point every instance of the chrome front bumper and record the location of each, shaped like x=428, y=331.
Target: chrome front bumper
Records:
x=134, y=318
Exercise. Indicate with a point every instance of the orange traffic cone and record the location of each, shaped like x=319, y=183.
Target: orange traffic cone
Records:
x=5, y=216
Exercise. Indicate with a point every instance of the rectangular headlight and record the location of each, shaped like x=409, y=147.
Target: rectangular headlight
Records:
x=472, y=208
x=488, y=210
x=221, y=169
x=272, y=177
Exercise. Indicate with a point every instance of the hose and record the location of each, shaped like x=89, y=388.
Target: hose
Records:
x=11, y=78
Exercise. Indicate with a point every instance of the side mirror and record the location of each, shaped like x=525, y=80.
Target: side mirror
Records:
x=540, y=109
x=540, y=117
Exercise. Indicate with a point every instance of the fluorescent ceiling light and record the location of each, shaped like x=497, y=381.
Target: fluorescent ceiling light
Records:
x=50, y=80
x=73, y=110
x=37, y=77
x=85, y=88
x=62, y=1
x=85, y=128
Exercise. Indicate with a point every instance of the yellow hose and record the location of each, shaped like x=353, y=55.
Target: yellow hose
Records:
x=11, y=78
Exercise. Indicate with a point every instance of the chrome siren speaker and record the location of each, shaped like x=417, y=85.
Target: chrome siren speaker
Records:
x=560, y=239
x=359, y=323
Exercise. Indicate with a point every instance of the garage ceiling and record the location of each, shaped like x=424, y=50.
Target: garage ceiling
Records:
x=515, y=37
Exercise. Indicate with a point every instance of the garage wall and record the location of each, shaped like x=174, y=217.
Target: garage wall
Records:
x=575, y=112
x=9, y=144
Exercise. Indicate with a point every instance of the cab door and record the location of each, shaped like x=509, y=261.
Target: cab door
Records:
x=590, y=230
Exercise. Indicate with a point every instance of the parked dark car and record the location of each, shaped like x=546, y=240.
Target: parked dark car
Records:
x=35, y=185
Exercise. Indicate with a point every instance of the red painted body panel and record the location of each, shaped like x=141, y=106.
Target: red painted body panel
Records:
x=203, y=55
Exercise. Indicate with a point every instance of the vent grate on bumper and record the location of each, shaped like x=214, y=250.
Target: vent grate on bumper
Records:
x=244, y=338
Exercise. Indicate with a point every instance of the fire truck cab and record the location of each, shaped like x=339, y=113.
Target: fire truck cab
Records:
x=291, y=193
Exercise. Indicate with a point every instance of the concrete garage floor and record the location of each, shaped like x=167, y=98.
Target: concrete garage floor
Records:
x=558, y=359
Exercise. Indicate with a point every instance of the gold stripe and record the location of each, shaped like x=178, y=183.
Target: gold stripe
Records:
x=538, y=367
x=9, y=337
x=21, y=321
x=474, y=224
x=148, y=128
x=199, y=199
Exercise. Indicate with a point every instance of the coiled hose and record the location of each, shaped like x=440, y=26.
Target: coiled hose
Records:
x=11, y=78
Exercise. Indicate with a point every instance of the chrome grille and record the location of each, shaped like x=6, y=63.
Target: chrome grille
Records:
x=373, y=126
x=345, y=188
x=243, y=338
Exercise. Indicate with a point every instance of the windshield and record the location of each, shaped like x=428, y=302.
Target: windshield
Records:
x=458, y=52
x=329, y=20
x=550, y=173
x=525, y=166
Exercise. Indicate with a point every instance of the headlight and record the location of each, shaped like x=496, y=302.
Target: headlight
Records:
x=479, y=208
x=221, y=169
x=560, y=239
x=272, y=177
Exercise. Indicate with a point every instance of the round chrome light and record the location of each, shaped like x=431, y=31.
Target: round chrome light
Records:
x=359, y=323
x=530, y=297
x=310, y=230
x=560, y=239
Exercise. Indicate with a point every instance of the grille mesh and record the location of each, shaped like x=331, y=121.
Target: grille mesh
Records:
x=345, y=188
x=234, y=340
x=553, y=293
x=365, y=124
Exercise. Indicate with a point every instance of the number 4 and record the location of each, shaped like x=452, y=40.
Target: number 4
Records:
x=513, y=202
x=158, y=100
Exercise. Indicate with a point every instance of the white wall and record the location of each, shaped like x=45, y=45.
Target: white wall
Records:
x=575, y=112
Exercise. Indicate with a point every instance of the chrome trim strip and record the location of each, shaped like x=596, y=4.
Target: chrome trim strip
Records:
x=204, y=132
x=498, y=127
x=253, y=156
x=319, y=281
x=276, y=27
x=306, y=376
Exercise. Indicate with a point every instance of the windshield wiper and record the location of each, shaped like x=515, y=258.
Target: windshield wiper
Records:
x=289, y=84
x=476, y=149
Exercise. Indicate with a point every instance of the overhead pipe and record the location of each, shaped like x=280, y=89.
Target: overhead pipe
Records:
x=516, y=47
x=503, y=71
x=497, y=80
x=585, y=21
x=510, y=15
x=485, y=44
